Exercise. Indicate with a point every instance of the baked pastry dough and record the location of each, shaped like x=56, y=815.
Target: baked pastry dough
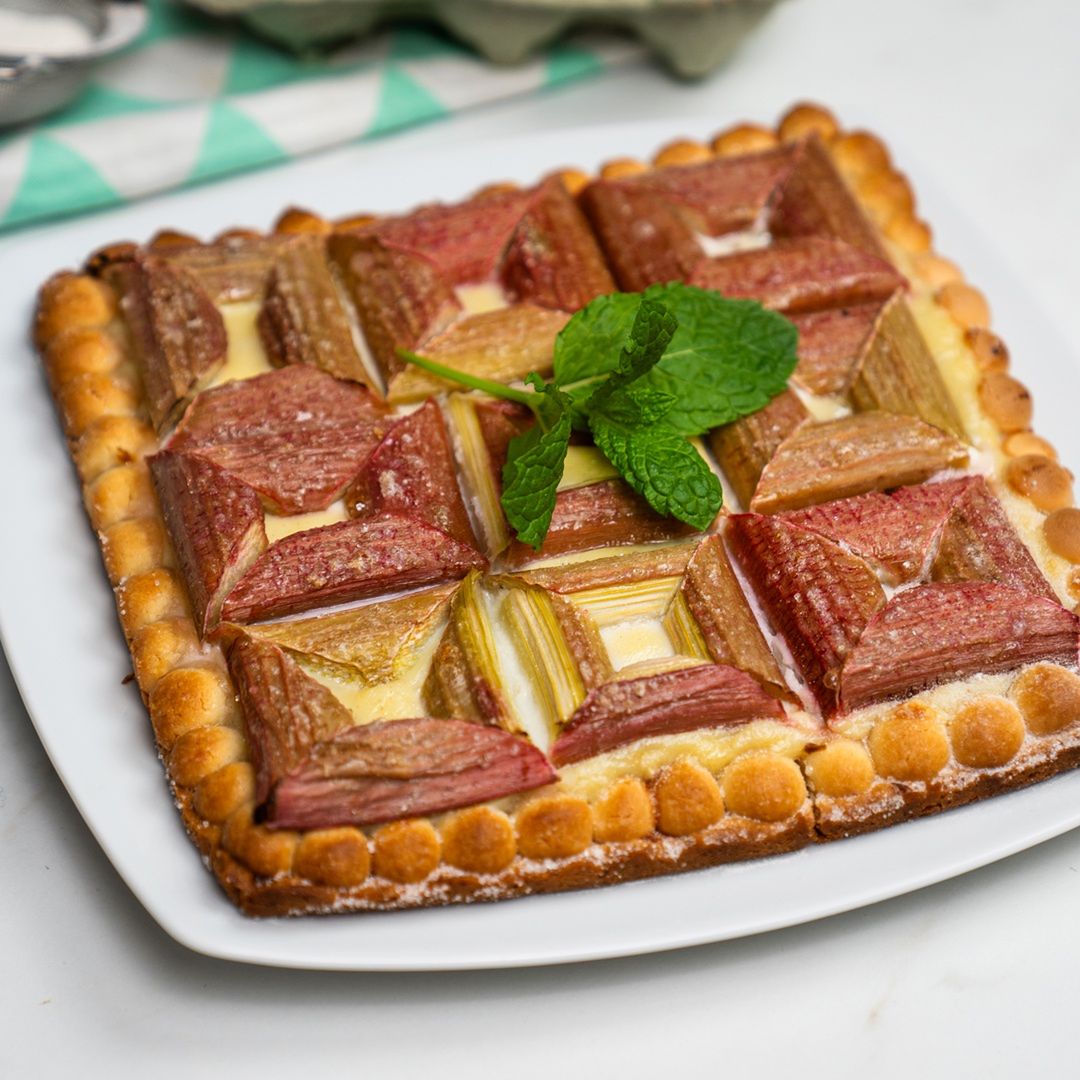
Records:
x=367, y=695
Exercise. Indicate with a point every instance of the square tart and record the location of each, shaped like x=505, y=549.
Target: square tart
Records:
x=368, y=695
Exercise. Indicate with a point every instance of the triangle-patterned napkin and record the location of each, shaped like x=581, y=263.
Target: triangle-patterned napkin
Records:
x=195, y=99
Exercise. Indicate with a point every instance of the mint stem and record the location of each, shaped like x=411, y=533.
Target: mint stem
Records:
x=495, y=389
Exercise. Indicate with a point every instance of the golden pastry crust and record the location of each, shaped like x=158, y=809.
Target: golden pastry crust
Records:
x=914, y=758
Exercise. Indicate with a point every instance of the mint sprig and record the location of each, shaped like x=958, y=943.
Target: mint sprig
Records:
x=641, y=372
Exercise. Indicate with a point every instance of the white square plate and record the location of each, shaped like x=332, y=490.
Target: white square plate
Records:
x=64, y=644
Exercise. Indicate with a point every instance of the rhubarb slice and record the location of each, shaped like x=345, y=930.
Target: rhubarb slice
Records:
x=815, y=593
x=832, y=344
x=552, y=259
x=373, y=643
x=400, y=298
x=502, y=345
x=804, y=274
x=465, y=241
x=897, y=531
x=560, y=647
x=286, y=712
x=935, y=633
x=411, y=473
x=645, y=239
x=595, y=516
x=870, y=451
x=395, y=769
x=815, y=201
x=178, y=335
x=723, y=617
x=722, y=195
x=979, y=544
x=464, y=681
x=297, y=436
x=743, y=448
x=349, y=560
x=216, y=526
x=621, y=712
x=302, y=320
x=234, y=269
x=655, y=561
x=898, y=374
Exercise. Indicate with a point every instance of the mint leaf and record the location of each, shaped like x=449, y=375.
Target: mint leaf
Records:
x=534, y=465
x=727, y=359
x=591, y=343
x=662, y=466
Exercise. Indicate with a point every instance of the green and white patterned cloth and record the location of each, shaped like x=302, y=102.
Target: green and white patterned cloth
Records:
x=195, y=99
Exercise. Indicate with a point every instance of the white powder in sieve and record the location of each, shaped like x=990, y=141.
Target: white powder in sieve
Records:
x=23, y=33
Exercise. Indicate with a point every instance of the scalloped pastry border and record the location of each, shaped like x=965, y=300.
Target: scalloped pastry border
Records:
x=684, y=817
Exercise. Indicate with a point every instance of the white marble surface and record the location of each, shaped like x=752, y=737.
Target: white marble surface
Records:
x=973, y=977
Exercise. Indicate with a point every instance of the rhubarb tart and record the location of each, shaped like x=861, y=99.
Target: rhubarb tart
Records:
x=614, y=526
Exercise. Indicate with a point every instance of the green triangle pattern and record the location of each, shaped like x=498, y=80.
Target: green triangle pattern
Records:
x=567, y=62
x=57, y=177
x=257, y=66
x=402, y=101
x=233, y=141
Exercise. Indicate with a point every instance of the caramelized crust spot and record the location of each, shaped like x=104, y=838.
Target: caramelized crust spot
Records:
x=573, y=180
x=623, y=813
x=910, y=743
x=189, y=698
x=80, y=351
x=296, y=220
x=766, y=787
x=110, y=441
x=986, y=732
x=743, y=139
x=1044, y=482
x=71, y=300
x=688, y=799
x=172, y=240
x=90, y=396
x=554, y=827
x=161, y=646
x=149, y=598
x=1049, y=698
x=936, y=270
x=682, y=152
x=1006, y=401
x=406, y=851
x=620, y=167
x=337, y=857
x=884, y=194
x=859, y=153
x=133, y=547
x=267, y=852
x=806, y=119
x=843, y=767
x=1027, y=442
x=119, y=494
x=1062, y=532
x=964, y=303
x=910, y=232
x=219, y=795
x=479, y=839
x=202, y=751
x=991, y=353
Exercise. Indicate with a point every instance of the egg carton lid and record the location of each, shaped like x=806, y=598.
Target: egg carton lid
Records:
x=693, y=37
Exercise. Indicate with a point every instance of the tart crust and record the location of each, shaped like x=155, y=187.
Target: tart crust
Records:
x=749, y=792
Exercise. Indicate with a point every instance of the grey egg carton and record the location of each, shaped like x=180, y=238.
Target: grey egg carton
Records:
x=693, y=37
